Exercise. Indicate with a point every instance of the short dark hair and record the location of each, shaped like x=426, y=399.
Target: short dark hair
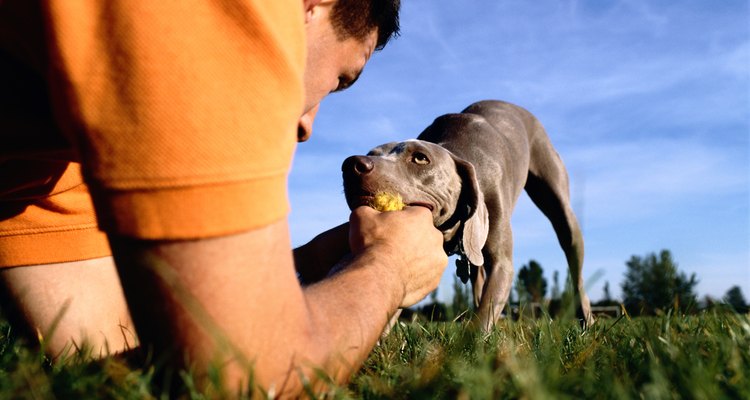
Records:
x=357, y=18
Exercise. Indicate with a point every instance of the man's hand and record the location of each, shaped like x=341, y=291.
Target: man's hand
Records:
x=408, y=241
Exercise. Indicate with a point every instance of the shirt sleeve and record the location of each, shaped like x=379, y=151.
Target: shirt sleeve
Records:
x=184, y=113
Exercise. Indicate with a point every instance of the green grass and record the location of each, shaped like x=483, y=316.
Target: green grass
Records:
x=705, y=356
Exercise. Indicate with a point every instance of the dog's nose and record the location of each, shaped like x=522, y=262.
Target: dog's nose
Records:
x=360, y=165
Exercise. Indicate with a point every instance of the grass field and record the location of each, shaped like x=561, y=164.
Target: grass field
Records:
x=705, y=356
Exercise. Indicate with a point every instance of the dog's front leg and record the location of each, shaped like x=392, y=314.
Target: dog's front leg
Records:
x=391, y=323
x=499, y=268
x=478, y=279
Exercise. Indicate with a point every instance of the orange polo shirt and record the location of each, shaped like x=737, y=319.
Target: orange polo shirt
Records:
x=177, y=117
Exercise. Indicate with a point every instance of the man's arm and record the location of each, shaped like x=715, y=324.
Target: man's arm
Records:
x=69, y=305
x=315, y=259
x=235, y=300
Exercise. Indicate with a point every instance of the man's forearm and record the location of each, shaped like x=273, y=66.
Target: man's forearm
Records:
x=353, y=307
x=197, y=295
x=234, y=301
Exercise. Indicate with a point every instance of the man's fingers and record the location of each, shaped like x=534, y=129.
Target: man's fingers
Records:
x=365, y=210
x=417, y=209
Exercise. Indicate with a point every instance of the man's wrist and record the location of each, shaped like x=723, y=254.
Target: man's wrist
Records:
x=379, y=262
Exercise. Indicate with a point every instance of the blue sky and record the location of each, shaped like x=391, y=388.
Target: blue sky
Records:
x=647, y=102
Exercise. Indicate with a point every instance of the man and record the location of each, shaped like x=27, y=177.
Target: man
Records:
x=184, y=116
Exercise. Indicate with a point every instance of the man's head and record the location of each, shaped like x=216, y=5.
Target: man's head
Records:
x=341, y=37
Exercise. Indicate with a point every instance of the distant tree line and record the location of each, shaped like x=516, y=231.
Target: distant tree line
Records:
x=652, y=285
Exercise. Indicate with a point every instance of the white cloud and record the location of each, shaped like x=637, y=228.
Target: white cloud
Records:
x=633, y=181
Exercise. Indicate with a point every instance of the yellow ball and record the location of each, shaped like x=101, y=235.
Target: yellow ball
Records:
x=384, y=201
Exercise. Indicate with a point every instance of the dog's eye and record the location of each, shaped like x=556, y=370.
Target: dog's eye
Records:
x=419, y=158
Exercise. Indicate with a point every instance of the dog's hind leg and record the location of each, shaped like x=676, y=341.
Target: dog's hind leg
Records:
x=547, y=186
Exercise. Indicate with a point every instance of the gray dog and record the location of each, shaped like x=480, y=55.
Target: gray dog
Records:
x=469, y=169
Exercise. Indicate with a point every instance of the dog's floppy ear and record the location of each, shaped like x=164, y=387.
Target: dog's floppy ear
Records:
x=472, y=212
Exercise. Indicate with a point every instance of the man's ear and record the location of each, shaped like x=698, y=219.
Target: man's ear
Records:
x=472, y=212
x=309, y=6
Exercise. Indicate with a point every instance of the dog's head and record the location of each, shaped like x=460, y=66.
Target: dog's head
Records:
x=428, y=175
